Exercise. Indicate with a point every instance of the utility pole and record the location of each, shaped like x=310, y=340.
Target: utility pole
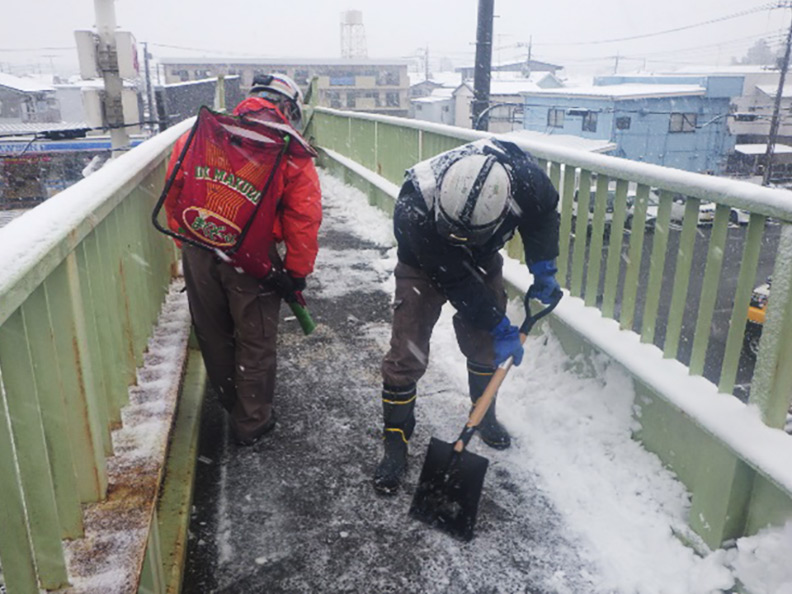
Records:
x=152, y=103
x=616, y=64
x=108, y=63
x=483, y=66
x=426, y=62
x=774, y=123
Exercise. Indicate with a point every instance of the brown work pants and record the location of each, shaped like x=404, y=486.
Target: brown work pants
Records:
x=236, y=322
x=416, y=309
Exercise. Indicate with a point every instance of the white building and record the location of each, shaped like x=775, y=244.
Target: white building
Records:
x=506, y=102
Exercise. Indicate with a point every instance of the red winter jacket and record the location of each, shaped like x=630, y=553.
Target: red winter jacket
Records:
x=299, y=212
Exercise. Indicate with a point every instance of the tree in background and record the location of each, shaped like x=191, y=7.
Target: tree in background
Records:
x=760, y=53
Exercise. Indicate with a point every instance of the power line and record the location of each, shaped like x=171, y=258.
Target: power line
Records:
x=205, y=50
x=37, y=49
x=763, y=7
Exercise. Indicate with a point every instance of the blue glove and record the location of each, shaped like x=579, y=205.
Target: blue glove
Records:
x=545, y=283
x=507, y=342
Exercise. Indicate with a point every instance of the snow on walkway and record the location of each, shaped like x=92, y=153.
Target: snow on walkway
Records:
x=574, y=507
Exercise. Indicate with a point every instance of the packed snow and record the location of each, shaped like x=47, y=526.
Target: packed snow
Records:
x=573, y=418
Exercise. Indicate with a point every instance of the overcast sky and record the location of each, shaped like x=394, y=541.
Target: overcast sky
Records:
x=560, y=31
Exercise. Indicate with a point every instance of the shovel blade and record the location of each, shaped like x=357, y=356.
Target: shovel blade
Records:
x=449, y=489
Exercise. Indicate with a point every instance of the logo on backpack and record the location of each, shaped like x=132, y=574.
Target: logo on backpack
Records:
x=211, y=227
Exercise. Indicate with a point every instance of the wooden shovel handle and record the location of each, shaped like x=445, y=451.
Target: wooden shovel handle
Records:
x=484, y=401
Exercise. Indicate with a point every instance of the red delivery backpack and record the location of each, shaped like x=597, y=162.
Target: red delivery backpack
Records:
x=226, y=198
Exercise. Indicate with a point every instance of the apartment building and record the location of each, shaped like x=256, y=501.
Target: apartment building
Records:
x=371, y=85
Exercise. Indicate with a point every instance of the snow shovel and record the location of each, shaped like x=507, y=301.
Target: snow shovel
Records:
x=451, y=480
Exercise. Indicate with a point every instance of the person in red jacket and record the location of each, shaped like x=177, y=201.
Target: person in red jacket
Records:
x=234, y=313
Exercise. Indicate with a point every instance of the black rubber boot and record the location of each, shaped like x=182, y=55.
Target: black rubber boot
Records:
x=398, y=405
x=490, y=430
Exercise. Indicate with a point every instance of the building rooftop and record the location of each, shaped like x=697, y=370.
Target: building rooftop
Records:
x=771, y=90
x=565, y=140
x=624, y=91
x=761, y=149
x=289, y=61
x=24, y=85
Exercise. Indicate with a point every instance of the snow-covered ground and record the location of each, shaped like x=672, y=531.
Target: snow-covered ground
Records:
x=572, y=425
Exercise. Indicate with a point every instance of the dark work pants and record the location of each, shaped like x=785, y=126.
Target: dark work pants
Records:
x=416, y=309
x=236, y=322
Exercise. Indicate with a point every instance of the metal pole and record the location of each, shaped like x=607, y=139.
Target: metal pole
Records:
x=153, y=117
x=108, y=63
x=773, y=136
x=483, y=66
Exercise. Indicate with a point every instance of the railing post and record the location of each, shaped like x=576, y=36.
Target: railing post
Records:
x=684, y=261
x=742, y=297
x=656, y=267
x=772, y=383
x=709, y=289
x=19, y=571
x=22, y=406
x=46, y=368
x=567, y=192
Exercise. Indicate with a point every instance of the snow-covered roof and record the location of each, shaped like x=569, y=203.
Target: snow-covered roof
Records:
x=289, y=61
x=93, y=83
x=26, y=129
x=23, y=84
x=566, y=141
x=513, y=86
x=624, y=91
x=760, y=149
x=438, y=95
x=446, y=79
x=201, y=81
x=771, y=90
x=731, y=69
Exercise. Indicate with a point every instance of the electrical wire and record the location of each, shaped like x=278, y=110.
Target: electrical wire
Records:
x=761, y=8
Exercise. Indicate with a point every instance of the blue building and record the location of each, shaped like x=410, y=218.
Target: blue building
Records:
x=673, y=121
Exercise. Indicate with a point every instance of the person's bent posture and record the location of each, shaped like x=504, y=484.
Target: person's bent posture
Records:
x=453, y=215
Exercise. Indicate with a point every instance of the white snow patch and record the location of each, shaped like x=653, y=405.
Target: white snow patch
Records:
x=572, y=425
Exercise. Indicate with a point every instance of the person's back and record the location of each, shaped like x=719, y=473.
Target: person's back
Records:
x=235, y=300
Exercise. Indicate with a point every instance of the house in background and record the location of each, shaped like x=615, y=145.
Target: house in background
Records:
x=437, y=107
x=27, y=101
x=372, y=85
x=752, y=110
x=506, y=102
x=523, y=68
x=677, y=122
x=453, y=103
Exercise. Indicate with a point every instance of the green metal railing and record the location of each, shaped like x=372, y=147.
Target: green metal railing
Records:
x=83, y=278
x=618, y=258
x=388, y=146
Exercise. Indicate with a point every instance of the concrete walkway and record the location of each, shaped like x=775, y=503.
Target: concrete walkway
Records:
x=297, y=512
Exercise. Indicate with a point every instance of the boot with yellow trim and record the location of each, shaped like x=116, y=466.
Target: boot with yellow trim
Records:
x=398, y=406
x=490, y=430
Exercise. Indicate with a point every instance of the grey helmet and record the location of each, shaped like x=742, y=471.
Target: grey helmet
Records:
x=472, y=200
x=283, y=92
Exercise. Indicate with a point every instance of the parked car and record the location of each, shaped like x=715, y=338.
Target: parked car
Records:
x=757, y=310
x=706, y=213
x=609, y=207
x=739, y=217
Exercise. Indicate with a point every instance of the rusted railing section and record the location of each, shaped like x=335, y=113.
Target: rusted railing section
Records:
x=82, y=281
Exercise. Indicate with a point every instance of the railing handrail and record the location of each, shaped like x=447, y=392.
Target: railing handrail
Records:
x=27, y=260
x=762, y=200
